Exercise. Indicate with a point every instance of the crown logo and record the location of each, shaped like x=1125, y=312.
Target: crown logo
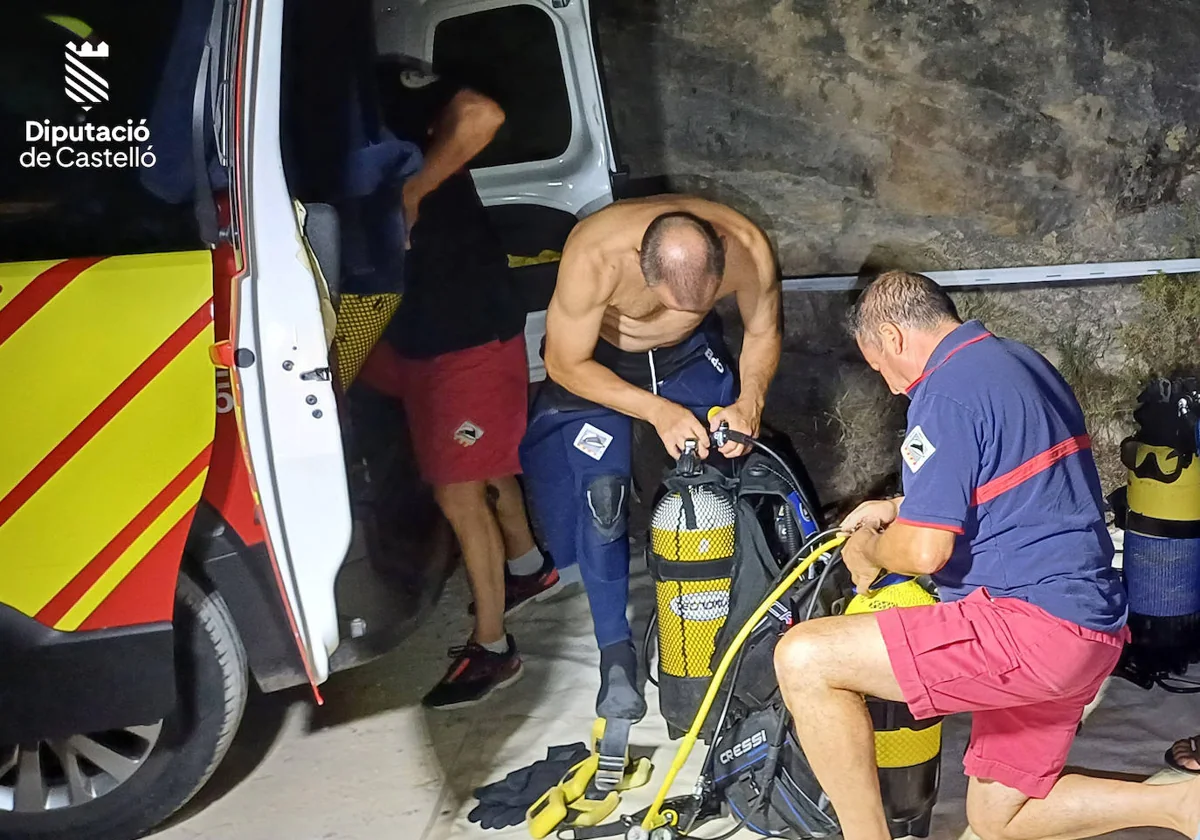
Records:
x=88, y=50
x=83, y=84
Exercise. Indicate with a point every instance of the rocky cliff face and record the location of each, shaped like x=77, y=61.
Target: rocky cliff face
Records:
x=920, y=134
x=941, y=133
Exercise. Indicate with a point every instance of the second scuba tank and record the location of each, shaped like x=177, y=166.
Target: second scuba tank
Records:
x=1161, y=560
x=908, y=751
x=693, y=537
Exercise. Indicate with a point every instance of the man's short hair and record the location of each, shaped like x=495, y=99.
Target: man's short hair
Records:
x=900, y=297
x=685, y=253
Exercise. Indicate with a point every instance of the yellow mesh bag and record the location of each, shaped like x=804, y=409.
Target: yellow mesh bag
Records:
x=361, y=320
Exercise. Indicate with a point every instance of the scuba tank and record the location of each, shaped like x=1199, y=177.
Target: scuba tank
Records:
x=693, y=537
x=1162, y=533
x=908, y=751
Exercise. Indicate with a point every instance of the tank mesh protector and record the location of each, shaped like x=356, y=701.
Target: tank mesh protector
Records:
x=1162, y=575
x=361, y=321
x=692, y=562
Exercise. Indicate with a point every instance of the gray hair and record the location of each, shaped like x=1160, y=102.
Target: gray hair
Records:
x=903, y=298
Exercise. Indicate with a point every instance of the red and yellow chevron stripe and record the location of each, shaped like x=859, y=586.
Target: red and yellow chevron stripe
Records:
x=108, y=430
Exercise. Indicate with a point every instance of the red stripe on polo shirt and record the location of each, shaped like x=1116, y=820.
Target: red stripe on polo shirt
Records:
x=938, y=526
x=1037, y=464
x=926, y=374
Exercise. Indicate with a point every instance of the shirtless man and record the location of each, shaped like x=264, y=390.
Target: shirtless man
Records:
x=631, y=332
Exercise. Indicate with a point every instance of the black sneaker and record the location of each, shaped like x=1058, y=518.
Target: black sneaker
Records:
x=474, y=674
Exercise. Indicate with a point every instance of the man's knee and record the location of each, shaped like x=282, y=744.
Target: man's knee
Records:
x=800, y=656
x=463, y=501
x=991, y=807
x=608, y=502
x=989, y=826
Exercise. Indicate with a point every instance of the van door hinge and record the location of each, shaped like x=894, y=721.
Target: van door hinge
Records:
x=322, y=374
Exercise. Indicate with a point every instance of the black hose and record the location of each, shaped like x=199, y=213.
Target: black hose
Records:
x=712, y=744
x=650, y=625
x=740, y=825
x=812, y=602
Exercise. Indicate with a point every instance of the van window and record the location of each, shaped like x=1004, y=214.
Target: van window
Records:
x=84, y=195
x=511, y=54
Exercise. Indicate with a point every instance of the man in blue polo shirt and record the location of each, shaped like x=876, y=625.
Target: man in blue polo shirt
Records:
x=1002, y=507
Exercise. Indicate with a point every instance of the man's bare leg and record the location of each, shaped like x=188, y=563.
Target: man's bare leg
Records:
x=1081, y=806
x=510, y=512
x=825, y=666
x=466, y=507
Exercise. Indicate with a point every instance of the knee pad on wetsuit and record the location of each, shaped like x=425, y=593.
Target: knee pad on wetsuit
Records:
x=605, y=551
x=608, y=501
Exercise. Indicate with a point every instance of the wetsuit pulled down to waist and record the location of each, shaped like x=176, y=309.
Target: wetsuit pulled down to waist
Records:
x=576, y=460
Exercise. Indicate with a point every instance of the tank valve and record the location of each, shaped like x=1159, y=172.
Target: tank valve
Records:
x=689, y=461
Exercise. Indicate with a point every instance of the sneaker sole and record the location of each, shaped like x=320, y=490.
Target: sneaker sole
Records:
x=466, y=704
x=545, y=595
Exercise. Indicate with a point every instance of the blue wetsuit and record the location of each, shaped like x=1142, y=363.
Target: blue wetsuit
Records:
x=576, y=462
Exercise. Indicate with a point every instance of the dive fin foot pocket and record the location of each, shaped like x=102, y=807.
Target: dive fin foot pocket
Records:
x=580, y=799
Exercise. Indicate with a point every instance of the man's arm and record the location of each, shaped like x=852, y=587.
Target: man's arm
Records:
x=943, y=453
x=573, y=321
x=462, y=130
x=759, y=303
x=901, y=548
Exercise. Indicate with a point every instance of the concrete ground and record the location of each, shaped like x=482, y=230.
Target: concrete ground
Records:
x=371, y=764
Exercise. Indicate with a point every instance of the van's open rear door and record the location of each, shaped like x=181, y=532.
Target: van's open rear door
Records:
x=280, y=352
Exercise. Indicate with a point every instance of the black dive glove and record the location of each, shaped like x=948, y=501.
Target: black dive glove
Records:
x=504, y=803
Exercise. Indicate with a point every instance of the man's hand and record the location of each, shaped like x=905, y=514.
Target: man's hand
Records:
x=676, y=425
x=741, y=418
x=412, y=195
x=856, y=554
x=875, y=515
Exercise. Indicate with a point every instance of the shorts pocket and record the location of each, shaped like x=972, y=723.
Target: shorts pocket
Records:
x=956, y=646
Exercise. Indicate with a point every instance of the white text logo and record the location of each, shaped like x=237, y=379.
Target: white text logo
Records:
x=756, y=740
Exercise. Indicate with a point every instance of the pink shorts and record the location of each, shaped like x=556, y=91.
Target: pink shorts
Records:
x=1024, y=674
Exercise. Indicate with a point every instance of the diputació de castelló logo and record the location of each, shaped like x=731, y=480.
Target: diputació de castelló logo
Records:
x=87, y=145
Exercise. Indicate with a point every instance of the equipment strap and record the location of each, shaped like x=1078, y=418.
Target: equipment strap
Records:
x=614, y=747
x=662, y=569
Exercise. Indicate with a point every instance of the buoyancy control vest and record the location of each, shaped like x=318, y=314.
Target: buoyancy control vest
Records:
x=756, y=765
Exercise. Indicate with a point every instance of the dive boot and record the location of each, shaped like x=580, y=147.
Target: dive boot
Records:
x=577, y=800
x=620, y=696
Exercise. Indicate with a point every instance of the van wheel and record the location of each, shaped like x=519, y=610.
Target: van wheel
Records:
x=117, y=785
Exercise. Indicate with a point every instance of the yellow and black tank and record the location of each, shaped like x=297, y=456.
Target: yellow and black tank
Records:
x=908, y=751
x=1161, y=561
x=693, y=539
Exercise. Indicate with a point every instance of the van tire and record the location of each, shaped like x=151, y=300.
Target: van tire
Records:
x=212, y=685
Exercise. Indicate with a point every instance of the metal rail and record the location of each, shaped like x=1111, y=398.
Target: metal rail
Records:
x=1011, y=276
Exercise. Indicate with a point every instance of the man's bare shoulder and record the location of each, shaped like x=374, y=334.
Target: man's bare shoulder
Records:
x=587, y=272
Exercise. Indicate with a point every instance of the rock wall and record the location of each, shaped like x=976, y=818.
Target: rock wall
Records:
x=921, y=134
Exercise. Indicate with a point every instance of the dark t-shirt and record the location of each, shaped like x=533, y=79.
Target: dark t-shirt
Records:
x=459, y=289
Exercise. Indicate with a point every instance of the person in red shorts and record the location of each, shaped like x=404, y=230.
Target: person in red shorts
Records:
x=454, y=353
x=1002, y=506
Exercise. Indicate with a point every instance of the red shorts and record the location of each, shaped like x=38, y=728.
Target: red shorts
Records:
x=1024, y=674
x=466, y=410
